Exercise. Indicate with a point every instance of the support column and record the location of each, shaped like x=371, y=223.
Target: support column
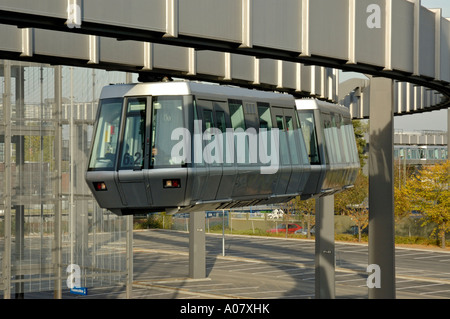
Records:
x=325, y=252
x=448, y=128
x=6, y=262
x=19, y=250
x=197, y=249
x=57, y=239
x=19, y=141
x=381, y=188
x=129, y=252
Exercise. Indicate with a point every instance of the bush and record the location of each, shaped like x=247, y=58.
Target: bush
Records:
x=159, y=221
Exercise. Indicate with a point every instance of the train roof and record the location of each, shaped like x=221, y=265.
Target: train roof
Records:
x=189, y=88
x=314, y=104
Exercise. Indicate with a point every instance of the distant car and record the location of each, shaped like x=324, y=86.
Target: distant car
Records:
x=304, y=231
x=292, y=228
x=276, y=214
x=354, y=230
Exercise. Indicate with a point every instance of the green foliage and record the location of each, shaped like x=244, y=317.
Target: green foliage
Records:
x=428, y=192
x=156, y=221
x=360, y=128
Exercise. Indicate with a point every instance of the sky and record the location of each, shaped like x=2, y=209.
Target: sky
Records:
x=436, y=120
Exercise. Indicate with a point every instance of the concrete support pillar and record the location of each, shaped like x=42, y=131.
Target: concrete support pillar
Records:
x=381, y=187
x=197, y=248
x=325, y=252
x=448, y=128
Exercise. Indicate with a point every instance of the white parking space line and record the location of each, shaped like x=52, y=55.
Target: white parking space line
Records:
x=403, y=281
x=249, y=268
x=419, y=286
x=228, y=289
x=428, y=257
x=187, y=285
x=435, y=292
x=224, y=266
x=350, y=280
x=397, y=254
x=291, y=274
x=355, y=251
x=263, y=292
x=409, y=271
x=276, y=270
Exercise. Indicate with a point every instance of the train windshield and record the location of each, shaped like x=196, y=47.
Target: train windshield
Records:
x=104, y=151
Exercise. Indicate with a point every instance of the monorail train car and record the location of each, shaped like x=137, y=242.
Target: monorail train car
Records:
x=420, y=154
x=330, y=141
x=186, y=146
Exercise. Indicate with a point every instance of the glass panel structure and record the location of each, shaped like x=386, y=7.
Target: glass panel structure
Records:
x=49, y=222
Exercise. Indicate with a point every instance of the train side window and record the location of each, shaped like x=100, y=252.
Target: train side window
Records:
x=289, y=123
x=208, y=119
x=309, y=134
x=284, y=149
x=133, y=147
x=335, y=124
x=280, y=123
x=265, y=120
x=329, y=143
x=293, y=148
x=236, y=114
x=107, y=135
x=422, y=154
x=349, y=149
x=221, y=124
x=167, y=116
x=265, y=123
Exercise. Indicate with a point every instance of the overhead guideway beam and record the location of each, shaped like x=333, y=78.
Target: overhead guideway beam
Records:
x=57, y=47
x=396, y=39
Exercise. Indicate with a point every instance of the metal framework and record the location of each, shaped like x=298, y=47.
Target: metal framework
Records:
x=258, y=43
x=48, y=218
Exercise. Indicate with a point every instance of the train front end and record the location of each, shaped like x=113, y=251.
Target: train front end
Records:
x=132, y=136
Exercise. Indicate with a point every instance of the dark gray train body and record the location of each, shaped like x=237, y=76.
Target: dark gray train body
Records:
x=184, y=147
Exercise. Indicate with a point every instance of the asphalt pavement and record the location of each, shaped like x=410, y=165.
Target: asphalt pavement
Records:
x=266, y=268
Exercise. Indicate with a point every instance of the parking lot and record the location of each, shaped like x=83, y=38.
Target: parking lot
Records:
x=267, y=268
x=262, y=267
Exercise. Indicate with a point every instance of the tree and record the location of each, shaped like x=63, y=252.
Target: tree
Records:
x=360, y=128
x=307, y=209
x=353, y=202
x=428, y=193
x=360, y=215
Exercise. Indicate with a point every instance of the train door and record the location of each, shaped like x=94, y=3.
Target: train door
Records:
x=134, y=153
x=297, y=151
x=312, y=138
x=249, y=182
x=284, y=171
x=212, y=151
x=229, y=171
x=268, y=157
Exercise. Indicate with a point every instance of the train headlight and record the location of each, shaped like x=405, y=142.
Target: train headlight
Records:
x=171, y=183
x=100, y=186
